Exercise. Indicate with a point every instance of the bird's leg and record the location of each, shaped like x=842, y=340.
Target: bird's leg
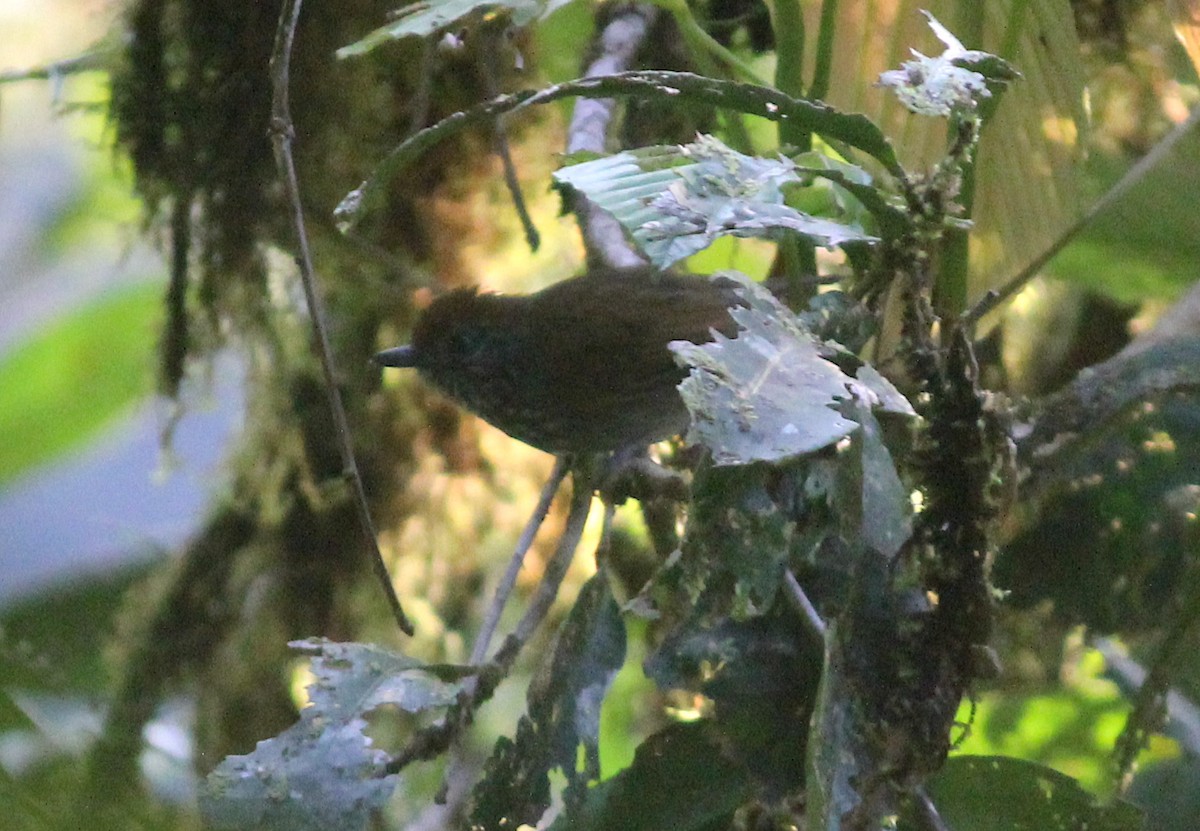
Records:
x=605, y=533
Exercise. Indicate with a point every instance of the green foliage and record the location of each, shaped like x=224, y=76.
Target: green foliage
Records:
x=681, y=778
x=769, y=395
x=1147, y=244
x=516, y=783
x=566, y=703
x=996, y=793
x=805, y=495
x=1120, y=505
x=312, y=776
x=740, y=532
x=1070, y=729
x=1025, y=185
x=72, y=378
x=852, y=130
x=352, y=679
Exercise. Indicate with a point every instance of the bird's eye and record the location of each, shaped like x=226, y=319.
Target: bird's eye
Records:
x=469, y=343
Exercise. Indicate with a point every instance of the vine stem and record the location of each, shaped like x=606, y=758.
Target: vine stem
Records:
x=282, y=135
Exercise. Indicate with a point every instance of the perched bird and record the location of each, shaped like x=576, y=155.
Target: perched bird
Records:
x=579, y=367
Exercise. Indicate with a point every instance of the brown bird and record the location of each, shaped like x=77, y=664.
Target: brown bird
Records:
x=579, y=367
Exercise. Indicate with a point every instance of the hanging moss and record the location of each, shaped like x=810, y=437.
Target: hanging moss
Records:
x=191, y=107
x=192, y=112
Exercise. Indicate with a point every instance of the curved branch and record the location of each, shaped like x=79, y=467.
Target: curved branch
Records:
x=853, y=130
x=1065, y=422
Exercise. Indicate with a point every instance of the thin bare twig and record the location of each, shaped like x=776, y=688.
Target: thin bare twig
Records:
x=1135, y=174
x=504, y=589
x=282, y=135
x=489, y=63
x=96, y=59
x=438, y=738
x=927, y=812
x=799, y=599
x=582, y=487
x=458, y=766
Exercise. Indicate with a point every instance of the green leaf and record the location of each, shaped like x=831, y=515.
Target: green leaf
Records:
x=565, y=705
x=676, y=201
x=747, y=523
x=734, y=660
x=314, y=776
x=564, y=715
x=1028, y=187
x=996, y=793
x=1070, y=727
x=737, y=528
x=432, y=17
x=866, y=199
x=887, y=509
x=841, y=763
x=515, y=788
x=835, y=316
x=1028, y=176
x=875, y=712
x=681, y=779
x=880, y=718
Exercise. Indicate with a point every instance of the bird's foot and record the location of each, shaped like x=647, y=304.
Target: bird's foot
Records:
x=632, y=474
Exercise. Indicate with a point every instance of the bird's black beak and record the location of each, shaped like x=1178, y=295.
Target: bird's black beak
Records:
x=403, y=356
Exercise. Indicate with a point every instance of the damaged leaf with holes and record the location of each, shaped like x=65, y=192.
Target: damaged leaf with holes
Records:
x=772, y=393
x=676, y=201
x=323, y=772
